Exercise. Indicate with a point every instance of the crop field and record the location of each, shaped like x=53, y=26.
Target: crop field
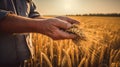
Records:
x=100, y=49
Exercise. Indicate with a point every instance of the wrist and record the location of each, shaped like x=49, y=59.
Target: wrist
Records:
x=36, y=25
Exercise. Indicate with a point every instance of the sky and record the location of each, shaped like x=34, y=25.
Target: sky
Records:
x=68, y=7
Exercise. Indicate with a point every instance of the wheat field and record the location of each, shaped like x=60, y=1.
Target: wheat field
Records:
x=101, y=49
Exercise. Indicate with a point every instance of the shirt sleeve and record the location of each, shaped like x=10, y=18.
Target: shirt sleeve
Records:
x=33, y=11
x=3, y=13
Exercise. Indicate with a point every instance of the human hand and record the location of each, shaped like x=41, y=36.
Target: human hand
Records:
x=54, y=27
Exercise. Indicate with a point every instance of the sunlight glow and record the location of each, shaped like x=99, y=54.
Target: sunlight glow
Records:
x=68, y=6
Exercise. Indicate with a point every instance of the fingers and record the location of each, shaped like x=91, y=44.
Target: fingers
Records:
x=66, y=35
x=72, y=21
x=62, y=24
x=59, y=34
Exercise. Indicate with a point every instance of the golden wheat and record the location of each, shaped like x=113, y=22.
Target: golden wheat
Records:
x=97, y=45
x=77, y=31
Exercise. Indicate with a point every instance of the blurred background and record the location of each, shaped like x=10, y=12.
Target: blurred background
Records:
x=73, y=7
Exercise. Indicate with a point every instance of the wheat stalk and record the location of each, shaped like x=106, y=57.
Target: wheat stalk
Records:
x=117, y=56
x=51, y=50
x=68, y=58
x=64, y=60
x=72, y=55
x=46, y=58
x=82, y=63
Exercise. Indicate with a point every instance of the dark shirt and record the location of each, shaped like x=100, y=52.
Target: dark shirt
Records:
x=16, y=47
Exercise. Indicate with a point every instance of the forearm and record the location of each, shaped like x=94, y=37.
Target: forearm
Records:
x=17, y=24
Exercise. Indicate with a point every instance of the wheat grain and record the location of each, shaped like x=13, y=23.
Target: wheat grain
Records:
x=77, y=31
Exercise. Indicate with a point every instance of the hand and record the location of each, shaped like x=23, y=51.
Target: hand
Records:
x=54, y=28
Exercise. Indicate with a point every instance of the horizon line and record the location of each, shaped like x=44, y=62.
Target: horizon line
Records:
x=80, y=14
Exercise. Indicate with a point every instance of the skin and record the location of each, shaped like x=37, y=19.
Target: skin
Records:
x=52, y=27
